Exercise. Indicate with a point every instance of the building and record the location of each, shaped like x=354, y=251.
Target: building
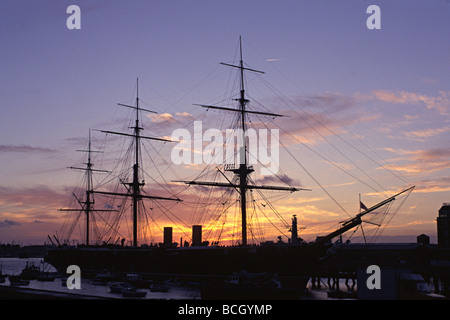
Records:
x=443, y=225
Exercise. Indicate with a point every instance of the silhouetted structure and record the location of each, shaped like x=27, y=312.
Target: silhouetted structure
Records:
x=423, y=239
x=196, y=235
x=168, y=236
x=443, y=225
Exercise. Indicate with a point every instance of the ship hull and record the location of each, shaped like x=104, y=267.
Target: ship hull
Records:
x=292, y=264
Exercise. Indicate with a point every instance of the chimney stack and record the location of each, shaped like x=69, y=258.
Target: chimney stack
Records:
x=196, y=235
x=168, y=236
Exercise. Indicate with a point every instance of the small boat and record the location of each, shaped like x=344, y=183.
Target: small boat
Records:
x=103, y=278
x=118, y=287
x=133, y=293
x=157, y=287
x=126, y=289
x=30, y=272
x=33, y=272
x=18, y=281
x=136, y=279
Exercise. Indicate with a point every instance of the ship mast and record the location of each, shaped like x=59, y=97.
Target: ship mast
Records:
x=87, y=205
x=244, y=170
x=136, y=186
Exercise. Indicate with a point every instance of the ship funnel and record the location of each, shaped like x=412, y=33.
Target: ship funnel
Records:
x=196, y=235
x=168, y=236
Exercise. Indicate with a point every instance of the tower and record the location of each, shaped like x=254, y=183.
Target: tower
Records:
x=443, y=225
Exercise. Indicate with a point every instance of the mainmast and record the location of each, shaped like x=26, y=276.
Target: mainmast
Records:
x=136, y=186
x=243, y=170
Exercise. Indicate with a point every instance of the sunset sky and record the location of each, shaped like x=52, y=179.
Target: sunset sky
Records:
x=369, y=110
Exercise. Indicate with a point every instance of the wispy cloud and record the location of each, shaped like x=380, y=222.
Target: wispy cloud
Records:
x=313, y=118
x=441, y=103
x=430, y=81
x=162, y=117
x=329, y=101
x=31, y=195
x=436, y=185
x=167, y=117
x=167, y=121
x=422, y=155
x=279, y=179
x=8, y=223
x=29, y=204
x=421, y=135
x=24, y=149
x=421, y=160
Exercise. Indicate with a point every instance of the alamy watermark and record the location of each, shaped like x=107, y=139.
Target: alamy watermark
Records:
x=374, y=280
x=227, y=147
x=74, y=280
x=73, y=22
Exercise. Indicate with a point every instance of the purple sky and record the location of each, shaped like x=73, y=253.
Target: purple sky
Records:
x=386, y=89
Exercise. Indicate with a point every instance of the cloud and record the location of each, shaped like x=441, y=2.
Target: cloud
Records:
x=163, y=117
x=421, y=135
x=311, y=119
x=411, y=117
x=441, y=103
x=168, y=118
x=423, y=155
x=184, y=114
x=430, y=80
x=29, y=196
x=25, y=149
x=168, y=122
x=329, y=101
x=432, y=154
x=421, y=160
x=430, y=186
x=8, y=223
x=277, y=179
x=84, y=140
x=38, y=203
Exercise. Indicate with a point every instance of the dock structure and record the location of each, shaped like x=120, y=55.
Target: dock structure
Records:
x=432, y=261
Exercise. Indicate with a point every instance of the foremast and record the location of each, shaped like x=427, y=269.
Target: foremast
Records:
x=87, y=206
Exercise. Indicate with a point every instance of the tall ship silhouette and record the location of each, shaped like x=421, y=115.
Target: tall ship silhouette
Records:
x=291, y=262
